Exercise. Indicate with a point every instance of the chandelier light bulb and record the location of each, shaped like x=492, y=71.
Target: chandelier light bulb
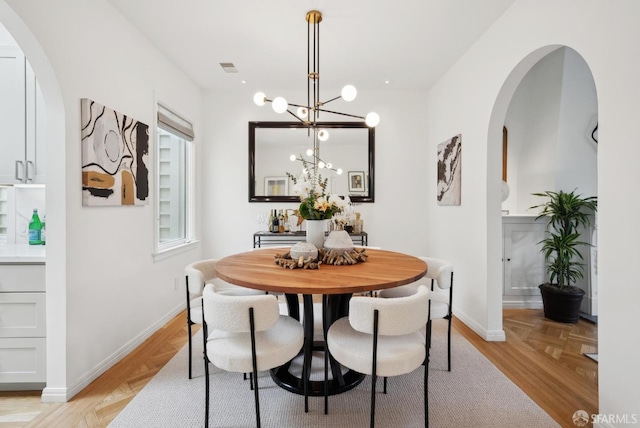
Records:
x=320, y=164
x=328, y=165
x=293, y=158
x=310, y=152
x=323, y=135
x=280, y=105
x=302, y=112
x=259, y=98
x=372, y=119
x=339, y=171
x=349, y=93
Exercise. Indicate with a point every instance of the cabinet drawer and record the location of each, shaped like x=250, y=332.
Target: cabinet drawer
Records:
x=22, y=360
x=22, y=277
x=22, y=315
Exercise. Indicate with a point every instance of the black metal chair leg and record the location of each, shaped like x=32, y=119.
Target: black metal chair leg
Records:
x=426, y=394
x=190, y=349
x=374, y=367
x=254, y=364
x=308, y=324
x=426, y=377
x=325, y=328
x=206, y=394
x=449, y=345
x=384, y=388
x=373, y=400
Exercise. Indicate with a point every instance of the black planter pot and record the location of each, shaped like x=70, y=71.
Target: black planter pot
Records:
x=562, y=305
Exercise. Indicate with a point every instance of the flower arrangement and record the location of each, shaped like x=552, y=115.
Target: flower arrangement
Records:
x=315, y=204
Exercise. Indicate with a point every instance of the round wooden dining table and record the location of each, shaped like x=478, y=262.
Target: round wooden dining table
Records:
x=336, y=284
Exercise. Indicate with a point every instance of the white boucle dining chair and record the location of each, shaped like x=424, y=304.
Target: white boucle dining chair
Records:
x=440, y=272
x=196, y=275
x=246, y=334
x=382, y=337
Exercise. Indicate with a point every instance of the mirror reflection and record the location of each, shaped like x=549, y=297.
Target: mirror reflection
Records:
x=348, y=154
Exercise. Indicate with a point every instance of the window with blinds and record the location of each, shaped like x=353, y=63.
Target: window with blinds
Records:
x=173, y=153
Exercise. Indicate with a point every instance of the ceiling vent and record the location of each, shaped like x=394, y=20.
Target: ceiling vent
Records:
x=228, y=67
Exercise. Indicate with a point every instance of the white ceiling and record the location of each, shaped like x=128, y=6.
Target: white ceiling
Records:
x=363, y=42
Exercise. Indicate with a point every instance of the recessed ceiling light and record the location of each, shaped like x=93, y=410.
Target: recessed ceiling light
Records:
x=387, y=81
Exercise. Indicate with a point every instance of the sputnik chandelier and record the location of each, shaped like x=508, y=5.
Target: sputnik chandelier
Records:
x=308, y=114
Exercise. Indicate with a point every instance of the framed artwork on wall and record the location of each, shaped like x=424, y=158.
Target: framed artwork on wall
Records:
x=356, y=181
x=276, y=186
x=449, y=171
x=115, y=152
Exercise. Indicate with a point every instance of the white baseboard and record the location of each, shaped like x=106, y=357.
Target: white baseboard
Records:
x=488, y=335
x=61, y=395
x=521, y=304
x=54, y=395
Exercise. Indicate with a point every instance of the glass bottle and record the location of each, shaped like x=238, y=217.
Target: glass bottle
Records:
x=35, y=228
x=358, y=224
x=280, y=222
x=270, y=221
x=286, y=222
x=274, y=222
x=43, y=232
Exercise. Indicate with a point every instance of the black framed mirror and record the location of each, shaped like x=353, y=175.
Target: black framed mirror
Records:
x=350, y=147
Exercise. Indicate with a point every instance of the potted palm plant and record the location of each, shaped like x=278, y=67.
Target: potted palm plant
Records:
x=565, y=212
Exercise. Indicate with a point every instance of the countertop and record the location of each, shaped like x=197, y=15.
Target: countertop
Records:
x=22, y=253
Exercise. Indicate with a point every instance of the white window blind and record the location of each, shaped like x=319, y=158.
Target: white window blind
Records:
x=171, y=122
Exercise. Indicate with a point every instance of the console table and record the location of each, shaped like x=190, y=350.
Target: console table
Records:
x=265, y=239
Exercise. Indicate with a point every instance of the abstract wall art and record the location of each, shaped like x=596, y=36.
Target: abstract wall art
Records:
x=449, y=173
x=115, y=151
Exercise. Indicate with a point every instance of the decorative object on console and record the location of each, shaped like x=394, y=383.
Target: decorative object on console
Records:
x=115, y=150
x=449, y=174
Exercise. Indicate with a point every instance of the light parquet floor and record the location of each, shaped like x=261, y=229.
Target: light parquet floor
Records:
x=542, y=357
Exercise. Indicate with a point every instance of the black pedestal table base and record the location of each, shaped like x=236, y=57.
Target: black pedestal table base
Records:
x=334, y=306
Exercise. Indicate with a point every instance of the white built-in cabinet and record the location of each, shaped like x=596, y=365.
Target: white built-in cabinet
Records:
x=22, y=326
x=523, y=263
x=22, y=120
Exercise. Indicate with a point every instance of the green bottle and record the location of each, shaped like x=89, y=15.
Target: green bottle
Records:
x=35, y=228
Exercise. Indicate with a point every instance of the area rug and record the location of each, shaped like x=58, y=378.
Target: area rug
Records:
x=474, y=394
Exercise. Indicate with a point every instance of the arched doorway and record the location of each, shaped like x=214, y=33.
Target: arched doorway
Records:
x=551, y=146
x=528, y=329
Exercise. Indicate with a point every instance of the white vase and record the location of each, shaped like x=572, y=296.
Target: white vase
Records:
x=315, y=232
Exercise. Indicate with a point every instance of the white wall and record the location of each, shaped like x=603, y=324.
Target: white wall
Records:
x=548, y=117
x=473, y=97
x=104, y=292
x=533, y=122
